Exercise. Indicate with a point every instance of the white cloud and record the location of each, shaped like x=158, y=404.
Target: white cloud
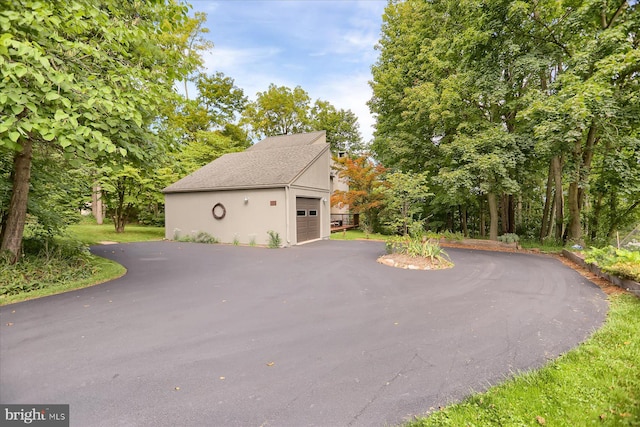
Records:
x=326, y=47
x=350, y=93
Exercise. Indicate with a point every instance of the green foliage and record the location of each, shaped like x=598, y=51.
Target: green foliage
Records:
x=594, y=384
x=45, y=262
x=481, y=96
x=197, y=237
x=274, y=239
x=80, y=82
x=509, y=238
x=619, y=262
x=417, y=247
x=278, y=111
x=405, y=195
x=341, y=126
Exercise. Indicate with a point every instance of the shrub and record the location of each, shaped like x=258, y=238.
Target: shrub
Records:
x=509, y=238
x=274, y=239
x=197, y=237
x=418, y=248
x=619, y=262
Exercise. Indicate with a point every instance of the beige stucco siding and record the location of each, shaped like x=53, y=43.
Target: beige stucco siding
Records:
x=189, y=213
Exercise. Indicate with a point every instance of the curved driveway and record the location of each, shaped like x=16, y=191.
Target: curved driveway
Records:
x=314, y=335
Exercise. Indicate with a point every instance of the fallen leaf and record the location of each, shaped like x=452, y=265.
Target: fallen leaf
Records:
x=222, y=378
x=271, y=363
x=627, y=342
x=177, y=389
x=9, y=324
x=603, y=416
x=541, y=420
x=625, y=414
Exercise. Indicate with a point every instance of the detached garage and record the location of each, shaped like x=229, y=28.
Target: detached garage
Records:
x=280, y=184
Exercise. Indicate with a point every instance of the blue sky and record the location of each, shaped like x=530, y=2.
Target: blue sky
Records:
x=324, y=46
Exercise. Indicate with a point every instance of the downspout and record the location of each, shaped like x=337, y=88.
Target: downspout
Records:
x=287, y=193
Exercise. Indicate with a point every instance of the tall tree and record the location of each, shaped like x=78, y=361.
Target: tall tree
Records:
x=341, y=126
x=278, y=111
x=85, y=78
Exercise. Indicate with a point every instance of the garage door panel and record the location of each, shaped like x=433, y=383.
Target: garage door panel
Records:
x=307, y=219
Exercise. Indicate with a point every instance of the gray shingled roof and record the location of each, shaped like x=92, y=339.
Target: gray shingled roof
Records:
x=296, y=140
x=262, y=168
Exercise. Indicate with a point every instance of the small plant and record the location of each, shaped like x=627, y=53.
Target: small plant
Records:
x=236, y=240
x=416, y=229
x=198, y=237
x=252, y=241
x=417, y=248
x=453, y=236
x=274, y=239
x=509, y=238
x=176, y=234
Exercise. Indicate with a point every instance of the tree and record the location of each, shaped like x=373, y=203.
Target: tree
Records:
x=365, y=193
x=341, y=126
x=278, y=111
x=84, y=78
x=405, y=196
x=492, y=99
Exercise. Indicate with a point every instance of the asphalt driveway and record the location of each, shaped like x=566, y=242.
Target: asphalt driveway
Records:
x=315, y=335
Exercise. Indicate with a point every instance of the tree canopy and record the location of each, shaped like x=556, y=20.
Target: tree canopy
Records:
x=513, y=108
x=86, y=79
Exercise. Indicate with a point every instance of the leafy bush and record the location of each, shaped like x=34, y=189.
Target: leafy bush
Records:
x=619, y=262
x=44, y=264
x=274, y=239
x=509, y=238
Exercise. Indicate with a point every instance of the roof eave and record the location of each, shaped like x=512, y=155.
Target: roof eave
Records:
x=231, y=188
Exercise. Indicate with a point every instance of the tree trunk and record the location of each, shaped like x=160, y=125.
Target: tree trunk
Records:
x=511, y=214
x=13, y=229
x=463, y=220
x=96, y=203
x=546, y=220
x=575, y=225
x=582, y=164
x=483, y=225
x=559, y=199
x=504, y=214
x=493, y=214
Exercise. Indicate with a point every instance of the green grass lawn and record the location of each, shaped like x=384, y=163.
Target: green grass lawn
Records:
x=356, y=235
x=597, y=383
x=91, y=234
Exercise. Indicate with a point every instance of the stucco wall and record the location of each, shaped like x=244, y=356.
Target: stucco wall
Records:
x=189, y=213
x=313, y=183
